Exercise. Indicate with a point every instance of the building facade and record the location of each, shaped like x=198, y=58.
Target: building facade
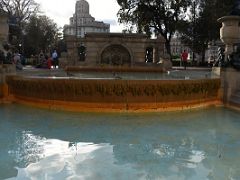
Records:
x=82, y=22
x=177, y=47
x=90, y=43
x=114, y=49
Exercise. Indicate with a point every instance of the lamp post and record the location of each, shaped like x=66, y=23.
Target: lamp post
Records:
x=76, y=24
x=76, y=31
x=193, y=31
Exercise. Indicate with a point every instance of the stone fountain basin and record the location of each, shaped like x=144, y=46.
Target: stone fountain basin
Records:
x=74, y=94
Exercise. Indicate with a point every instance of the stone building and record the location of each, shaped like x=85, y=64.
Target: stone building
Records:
x=114, y=49
x=177, y=46
x=82, y=22
x=90, y=43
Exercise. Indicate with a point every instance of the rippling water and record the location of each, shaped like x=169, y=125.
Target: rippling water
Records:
x=41, y=144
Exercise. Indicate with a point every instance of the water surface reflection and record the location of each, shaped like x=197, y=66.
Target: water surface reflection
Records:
x=39, y=144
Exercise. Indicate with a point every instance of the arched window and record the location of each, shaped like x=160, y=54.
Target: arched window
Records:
x=149, y=55
x=82, y=53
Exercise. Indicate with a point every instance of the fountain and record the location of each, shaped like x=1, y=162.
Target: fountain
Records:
x=230, y=35
x=115, y=93
x=3, y=39
x=37, y=143
x=77, y=94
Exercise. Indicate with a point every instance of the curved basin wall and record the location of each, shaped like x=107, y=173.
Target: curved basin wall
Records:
x=80, y=94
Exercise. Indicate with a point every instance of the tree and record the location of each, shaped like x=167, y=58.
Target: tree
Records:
x=41, y=33
x=19, y=12
x=154, y=16
x=20, y=9
x=202, y=27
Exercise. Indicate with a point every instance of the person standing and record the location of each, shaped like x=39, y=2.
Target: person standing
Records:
x=55, y=59
x=17, y=61
x=184, y=57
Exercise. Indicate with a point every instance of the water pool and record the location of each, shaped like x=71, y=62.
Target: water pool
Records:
x=41, y=144
x=174, y=74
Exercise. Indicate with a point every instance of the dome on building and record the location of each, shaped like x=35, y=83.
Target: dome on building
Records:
x=82, y=7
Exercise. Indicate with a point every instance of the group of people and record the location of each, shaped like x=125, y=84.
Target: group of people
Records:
x=6, y=57
x=45, y=61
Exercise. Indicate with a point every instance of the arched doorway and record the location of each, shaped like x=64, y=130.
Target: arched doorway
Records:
x=81, y=53
x=115, y=55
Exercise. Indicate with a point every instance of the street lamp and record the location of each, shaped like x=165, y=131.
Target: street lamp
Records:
x=76, y=23
x=76, y=31
x=20, y=48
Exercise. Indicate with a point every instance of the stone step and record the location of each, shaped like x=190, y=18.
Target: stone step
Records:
x=236, y=96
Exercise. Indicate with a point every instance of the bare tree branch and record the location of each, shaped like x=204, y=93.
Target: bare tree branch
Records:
x=20, y=9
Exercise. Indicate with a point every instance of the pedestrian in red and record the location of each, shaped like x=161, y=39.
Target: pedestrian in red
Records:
x=49, y=63
x=184, y=57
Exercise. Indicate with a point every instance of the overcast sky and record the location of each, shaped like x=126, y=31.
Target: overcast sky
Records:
x=102, y=10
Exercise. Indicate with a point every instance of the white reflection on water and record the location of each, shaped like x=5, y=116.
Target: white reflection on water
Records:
x=65, y=160
x=59, y=159
x=194, y=159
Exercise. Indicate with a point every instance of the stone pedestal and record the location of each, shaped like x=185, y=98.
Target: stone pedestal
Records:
x=230, y=32
x=230, y=80
x=216, y=71
x=3, y=29
x=5, y=69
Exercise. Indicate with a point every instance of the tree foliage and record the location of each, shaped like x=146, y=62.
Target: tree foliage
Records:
x=203, y=28
x=194, y=20
x=19, y=12
x=26, y=28
x=41, y=33
x=154, y=16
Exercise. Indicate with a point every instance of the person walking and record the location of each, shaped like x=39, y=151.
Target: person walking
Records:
x=184, y=57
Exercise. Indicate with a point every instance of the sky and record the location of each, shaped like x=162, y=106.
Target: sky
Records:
x=102, y=10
